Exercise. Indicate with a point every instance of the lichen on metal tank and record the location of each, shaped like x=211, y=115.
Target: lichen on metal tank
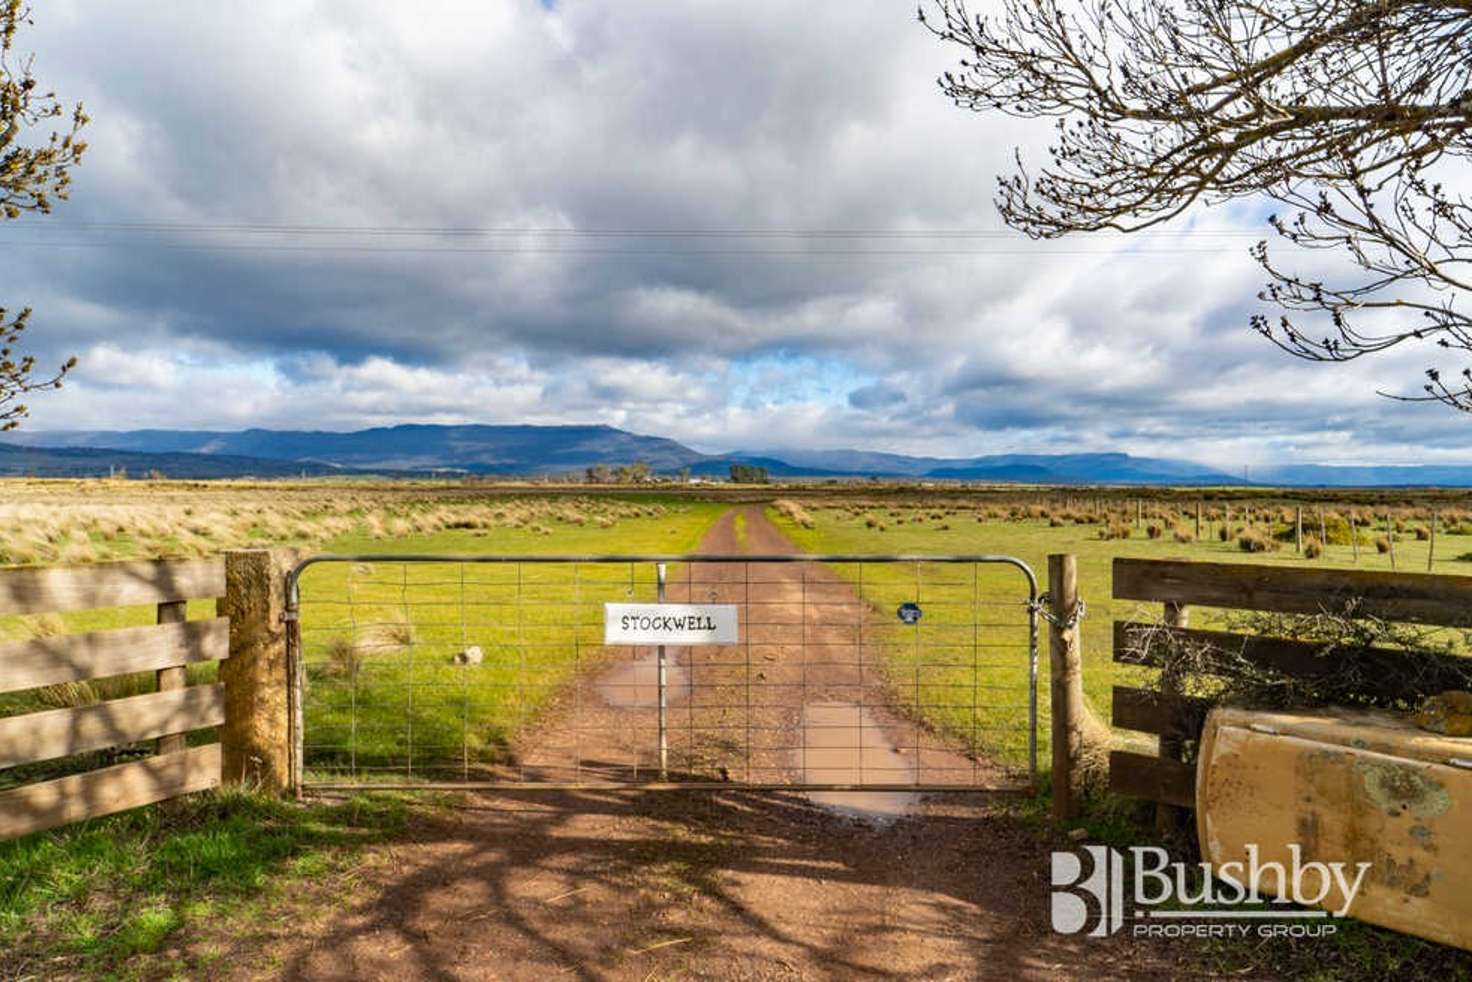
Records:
x=1397, y=788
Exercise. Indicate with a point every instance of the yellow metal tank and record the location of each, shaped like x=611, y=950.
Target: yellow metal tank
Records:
x=1347, y=786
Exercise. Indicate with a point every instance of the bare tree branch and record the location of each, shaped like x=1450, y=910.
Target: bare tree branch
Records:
x=1342, y=110
x=31, y=179
x=16, y=371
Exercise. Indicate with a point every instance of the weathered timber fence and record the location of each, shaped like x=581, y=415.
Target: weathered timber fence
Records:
x=241, y=703
x=1168, y=778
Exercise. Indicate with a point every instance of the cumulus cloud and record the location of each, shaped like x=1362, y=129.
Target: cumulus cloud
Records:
x=379, y=212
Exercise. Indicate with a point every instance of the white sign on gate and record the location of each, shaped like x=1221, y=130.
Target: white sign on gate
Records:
x=678, y=624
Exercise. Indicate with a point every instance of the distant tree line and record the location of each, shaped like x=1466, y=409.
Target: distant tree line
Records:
x=748, y=474
x=640, y=473
x=622, y=474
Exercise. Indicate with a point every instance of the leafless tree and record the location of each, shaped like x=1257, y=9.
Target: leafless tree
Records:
x=1354, y=115
x=32, y=177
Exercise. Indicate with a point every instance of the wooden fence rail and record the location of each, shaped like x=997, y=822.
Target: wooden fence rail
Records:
x=1417, y=597
x=1176, y=719
x=166, y=715
x=59, y=589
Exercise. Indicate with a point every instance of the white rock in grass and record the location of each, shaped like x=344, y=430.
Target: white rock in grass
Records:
x=470, y=656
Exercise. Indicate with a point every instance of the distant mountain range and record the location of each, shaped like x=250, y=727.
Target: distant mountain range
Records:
x=417, y=450
x=95, y=461
x=403, y=450
x=1086, y=468
x=1421, y=475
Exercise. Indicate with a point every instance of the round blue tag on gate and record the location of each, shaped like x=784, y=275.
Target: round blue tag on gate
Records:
x=909, y=613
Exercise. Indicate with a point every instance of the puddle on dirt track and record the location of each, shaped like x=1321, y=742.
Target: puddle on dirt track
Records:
x=842, y=744
x=634, y=684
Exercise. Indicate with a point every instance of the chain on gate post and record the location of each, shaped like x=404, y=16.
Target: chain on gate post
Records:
x=664, y=749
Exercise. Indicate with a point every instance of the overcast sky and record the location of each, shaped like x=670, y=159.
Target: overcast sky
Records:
x=626, y=117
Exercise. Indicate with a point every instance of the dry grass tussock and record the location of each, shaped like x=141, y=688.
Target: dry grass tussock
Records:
x=48, y=522
x=392, y=636
x=794, y=512
x=1334, y=522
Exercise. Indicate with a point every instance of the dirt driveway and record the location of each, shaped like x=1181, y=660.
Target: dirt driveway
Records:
x=804, y=697
x=729, y=885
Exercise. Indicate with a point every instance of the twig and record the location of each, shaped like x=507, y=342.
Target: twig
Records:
x=662, y=944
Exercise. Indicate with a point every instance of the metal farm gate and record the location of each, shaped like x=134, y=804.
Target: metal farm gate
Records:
x=817, y=673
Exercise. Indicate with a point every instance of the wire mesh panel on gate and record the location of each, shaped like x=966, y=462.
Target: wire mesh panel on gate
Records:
x=493, y=670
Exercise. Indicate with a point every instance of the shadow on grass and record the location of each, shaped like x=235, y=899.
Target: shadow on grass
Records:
x=99, y=892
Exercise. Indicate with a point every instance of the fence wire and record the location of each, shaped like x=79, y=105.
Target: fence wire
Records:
x=433, y=671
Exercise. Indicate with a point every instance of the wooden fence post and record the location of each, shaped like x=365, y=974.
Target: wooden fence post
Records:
x=1198, y=520
x=256, y=736
x=172, y=612
x=1168, y=818
x=1066, y=662
x=1354, y=536
x=1431, y=546
x=1298, y=530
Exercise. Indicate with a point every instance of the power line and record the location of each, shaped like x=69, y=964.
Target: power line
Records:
x=265, y=228
x=591, y=251
x=754, y=242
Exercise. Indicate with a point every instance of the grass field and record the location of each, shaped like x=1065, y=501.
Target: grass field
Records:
x=371, y=632
x=380, y=641
x=917, y=525
x=386, y=696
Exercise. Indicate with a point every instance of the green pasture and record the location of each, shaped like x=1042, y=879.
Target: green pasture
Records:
x=943, y=529
x=385, y=696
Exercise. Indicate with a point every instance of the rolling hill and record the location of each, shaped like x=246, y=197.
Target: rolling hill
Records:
x=395, y=450
x=21, y=461
x=568, y=450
